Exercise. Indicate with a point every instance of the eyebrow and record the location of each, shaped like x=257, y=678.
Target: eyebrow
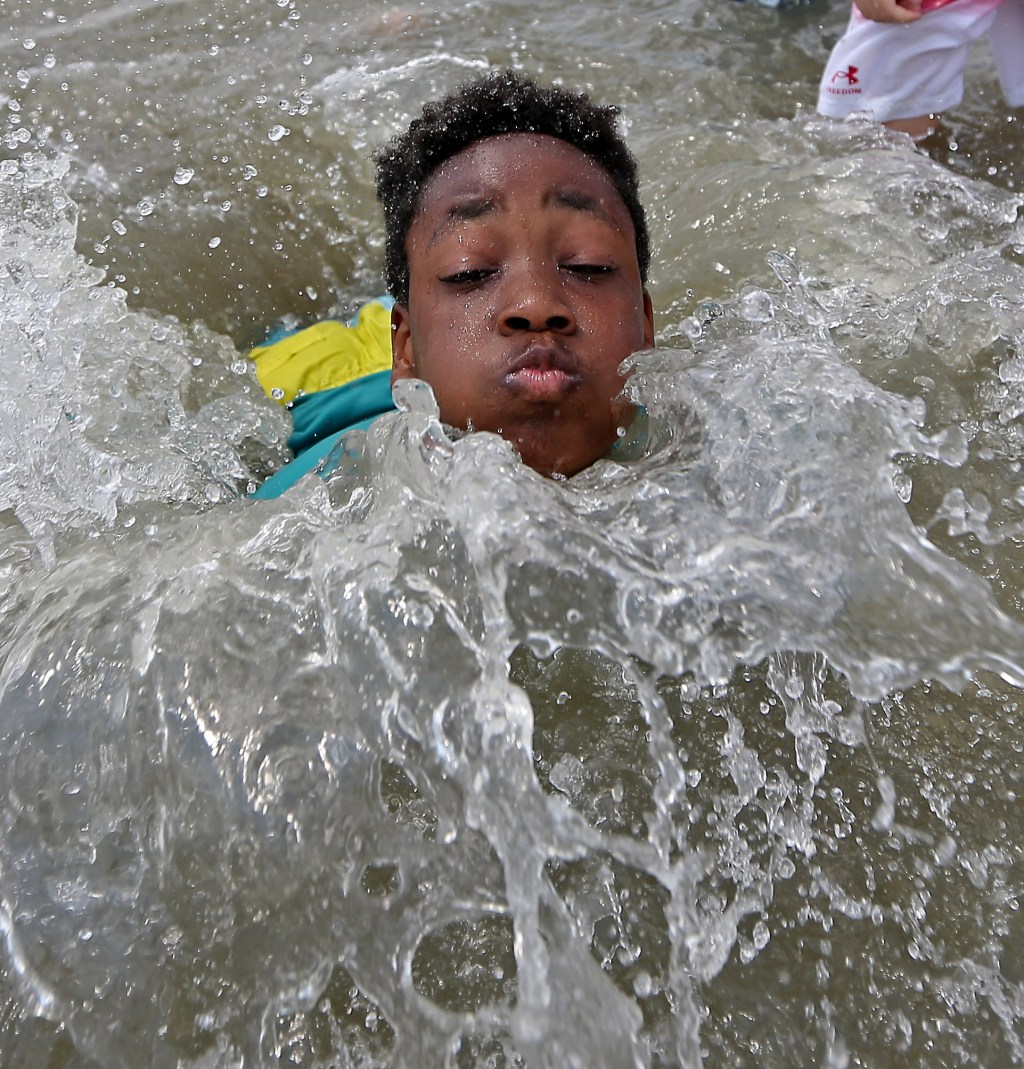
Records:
x=582, y=202
x=464, y=211
x=476, y=207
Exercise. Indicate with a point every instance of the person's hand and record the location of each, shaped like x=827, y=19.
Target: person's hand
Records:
x=890, y=10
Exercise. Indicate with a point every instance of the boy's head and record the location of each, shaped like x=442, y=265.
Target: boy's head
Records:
x=502, y=103
x=517, y=251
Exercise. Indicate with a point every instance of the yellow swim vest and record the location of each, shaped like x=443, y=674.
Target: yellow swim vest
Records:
x=326, y=355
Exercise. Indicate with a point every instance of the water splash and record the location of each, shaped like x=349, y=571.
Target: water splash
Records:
x=706, y=757
x=103, y=408
x=296, y=760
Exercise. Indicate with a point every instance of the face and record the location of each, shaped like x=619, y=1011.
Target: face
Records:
x=525, y=296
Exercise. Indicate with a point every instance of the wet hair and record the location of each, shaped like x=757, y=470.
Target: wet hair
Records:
x=501, y=103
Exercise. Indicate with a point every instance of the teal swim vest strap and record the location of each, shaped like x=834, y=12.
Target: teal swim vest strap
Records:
x=321, y=419
x=319, y=414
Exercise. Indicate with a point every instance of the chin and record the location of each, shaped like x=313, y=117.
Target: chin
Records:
x=550, y=465
x=550, y=455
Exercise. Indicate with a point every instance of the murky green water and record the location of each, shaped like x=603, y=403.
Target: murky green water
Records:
x=712, y=758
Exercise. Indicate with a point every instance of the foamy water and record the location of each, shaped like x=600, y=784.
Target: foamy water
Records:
x=709, y=757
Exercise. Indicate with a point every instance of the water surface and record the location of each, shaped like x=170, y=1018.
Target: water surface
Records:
x=708, y=758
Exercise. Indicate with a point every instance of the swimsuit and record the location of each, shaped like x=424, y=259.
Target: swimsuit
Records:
x=904, y=71
x=334, y=378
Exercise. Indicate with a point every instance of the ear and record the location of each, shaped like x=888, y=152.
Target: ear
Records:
x=648, y=321
x=403, y=360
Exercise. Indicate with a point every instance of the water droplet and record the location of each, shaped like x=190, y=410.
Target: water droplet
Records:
x=783, y=267
x=447, y=832
x=277, y=393
x=49, y=62
x=692, y=328
x=183, y=175
x=946, y=850
x=811, y=756
x=213, y=242
x=642, y=985
x=568, y=775
x=307, y=59
x=28, y=44
x=761, y=935
x=249, y=172
x=118, y=227
x=689, y=689
x=1012, y=370
x=145, y=207
x=885, y=814
x=756, y=306
x=837, y=1056
x=903, y=485
x=277, y=132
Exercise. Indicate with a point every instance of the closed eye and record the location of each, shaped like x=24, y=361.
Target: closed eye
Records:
x=589, y=270
x=462, y=278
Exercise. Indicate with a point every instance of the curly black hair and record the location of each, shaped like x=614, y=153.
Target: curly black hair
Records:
x=505, y=102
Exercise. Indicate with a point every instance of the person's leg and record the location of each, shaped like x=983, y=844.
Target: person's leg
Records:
x=904, y=75
x=1007, y=38
x=919, y=128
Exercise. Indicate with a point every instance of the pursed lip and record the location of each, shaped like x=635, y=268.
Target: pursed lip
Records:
x=543, y=372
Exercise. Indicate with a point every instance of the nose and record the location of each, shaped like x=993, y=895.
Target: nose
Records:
x=535, y=300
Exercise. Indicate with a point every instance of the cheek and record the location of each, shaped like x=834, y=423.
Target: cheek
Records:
x=617, y=320
x=453, y=325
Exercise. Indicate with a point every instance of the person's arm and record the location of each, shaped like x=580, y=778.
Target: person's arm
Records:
x=890, y=10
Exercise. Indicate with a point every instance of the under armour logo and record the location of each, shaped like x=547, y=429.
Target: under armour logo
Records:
x=849, y=76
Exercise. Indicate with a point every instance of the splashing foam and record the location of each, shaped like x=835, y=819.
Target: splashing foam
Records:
x=103, y=408
x=441, y=762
